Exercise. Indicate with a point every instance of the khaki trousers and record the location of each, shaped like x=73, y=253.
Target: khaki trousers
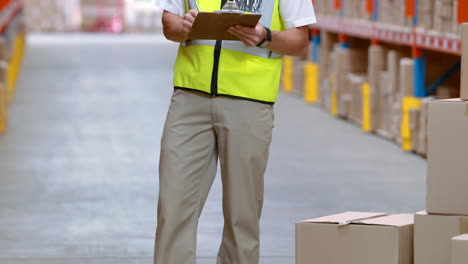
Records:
x=199, y=130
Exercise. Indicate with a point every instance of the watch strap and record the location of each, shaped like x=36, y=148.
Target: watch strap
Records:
x=266, y=40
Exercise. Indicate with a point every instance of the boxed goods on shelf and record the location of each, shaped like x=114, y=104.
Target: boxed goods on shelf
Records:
x=415, y=115
x=393, y=12
x=355, y=10
x=298, y=75
x=426, y=14
x=293, y=78
x=356, y=238
x=356, y=81
x=432, y=234
x=52, y=15
x=440, y=17
x=325, y=7
x=445, y=17
x=343, y=61
x=443, y=12
x=389, y=96
x=377, y=64
x=327, y=41
x=407, y=76
x=447, y=151
x=459, y=249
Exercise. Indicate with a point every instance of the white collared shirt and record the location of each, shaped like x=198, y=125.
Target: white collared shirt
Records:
x=295, y=13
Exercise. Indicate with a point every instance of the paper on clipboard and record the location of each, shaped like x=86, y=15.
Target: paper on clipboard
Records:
x=214, y=26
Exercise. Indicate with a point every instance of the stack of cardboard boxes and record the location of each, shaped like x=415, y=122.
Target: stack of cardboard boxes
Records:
x=355, y=9
x=356, y=81
x=345, y=61
x=326, y=47
x=436, y=231
x=445, y=16
x=439, y=16
x=438, y=236
x=426, y=14
x=389, y=71
x=392, y=12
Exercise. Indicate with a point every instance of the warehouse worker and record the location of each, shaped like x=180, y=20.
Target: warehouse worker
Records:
x=222, y=108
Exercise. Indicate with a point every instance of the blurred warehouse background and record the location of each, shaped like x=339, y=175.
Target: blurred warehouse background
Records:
x=84, y=90
x=110, y=16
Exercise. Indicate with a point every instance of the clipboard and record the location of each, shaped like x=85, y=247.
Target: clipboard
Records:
x=214, y=26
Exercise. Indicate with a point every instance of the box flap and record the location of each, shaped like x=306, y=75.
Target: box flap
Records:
x=344, y=217
x=391, y=220
x=456, y=100
x=461, y=237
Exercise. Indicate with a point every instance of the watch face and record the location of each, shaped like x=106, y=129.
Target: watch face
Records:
x=266, y=43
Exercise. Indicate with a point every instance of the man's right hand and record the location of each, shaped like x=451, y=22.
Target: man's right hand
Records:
x=176, y=27
x=189, y=18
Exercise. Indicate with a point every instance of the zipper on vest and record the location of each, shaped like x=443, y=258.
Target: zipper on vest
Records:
x=217, y=55
x=214, y=76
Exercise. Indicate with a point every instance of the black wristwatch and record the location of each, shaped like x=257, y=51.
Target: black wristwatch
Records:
x=267, y=40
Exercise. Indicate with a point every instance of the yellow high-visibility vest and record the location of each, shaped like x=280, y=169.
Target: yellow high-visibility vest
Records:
x=229, y=68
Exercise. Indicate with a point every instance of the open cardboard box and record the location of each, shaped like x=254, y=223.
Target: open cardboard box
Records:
x=356, y=238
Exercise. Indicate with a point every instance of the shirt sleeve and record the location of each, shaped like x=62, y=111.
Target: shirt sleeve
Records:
x=173, y=6
x=297, y=13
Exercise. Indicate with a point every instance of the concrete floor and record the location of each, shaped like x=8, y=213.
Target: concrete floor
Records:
x=78, y=166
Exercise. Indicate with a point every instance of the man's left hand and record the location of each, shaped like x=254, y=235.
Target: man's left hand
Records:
x=249, y=36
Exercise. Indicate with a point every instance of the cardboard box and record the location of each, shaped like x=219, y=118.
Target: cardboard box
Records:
x=407, y=76
x=447, y=175
x=464, y=67
x=415, y=115
x=447, y=92
x=356, y=82
x=377, y=64
x=366, y=238
x=298, y=77
x=460, y=249
x=432, y=234
x=421, y=147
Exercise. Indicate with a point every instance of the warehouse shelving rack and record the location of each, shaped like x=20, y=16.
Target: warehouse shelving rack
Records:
x=11, y=12
x=9, y=9
x=415, y=37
